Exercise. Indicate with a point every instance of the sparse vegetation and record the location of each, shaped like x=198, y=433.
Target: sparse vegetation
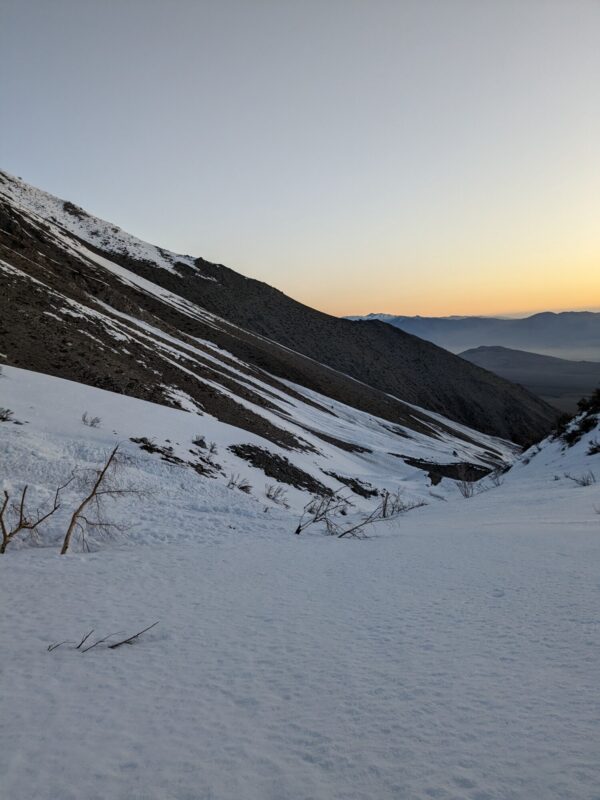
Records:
x=204, y=465
x=591, y=404
x=496, y=477
x=101, y=484
x=6, y=415
x=277, y=494
x=322, y=509
x=74, y=210
x=562, y=424
x=91, y=422
x=594, y=448
x=531, y=453
x=570, y=429
x=465, y=486
x=102, y=640
x=585, y=479
x=235, y=482
x=16, y=519
x=326, y=509
x=199, y=441
x=578, y=428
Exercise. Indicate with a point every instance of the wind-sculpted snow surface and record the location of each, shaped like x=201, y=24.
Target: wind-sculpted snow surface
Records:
x=453, y=654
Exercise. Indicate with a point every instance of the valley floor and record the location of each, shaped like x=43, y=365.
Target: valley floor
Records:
x=442, y=658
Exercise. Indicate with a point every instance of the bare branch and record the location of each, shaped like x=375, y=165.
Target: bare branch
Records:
x=85, y=638
x=321, y=509
x=22, y=520
x=324, y=509
x=52, y=647
x=103, y=486
x=100, y=641
x=131, y=638
x=79, y=646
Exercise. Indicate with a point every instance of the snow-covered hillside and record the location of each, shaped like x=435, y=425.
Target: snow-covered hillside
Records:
x=94, y=231
x=44, y=404
x=453, y=654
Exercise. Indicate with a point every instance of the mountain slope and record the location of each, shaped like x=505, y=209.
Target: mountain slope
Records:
x=558, y=381
x=88, y=274
x=571, y=334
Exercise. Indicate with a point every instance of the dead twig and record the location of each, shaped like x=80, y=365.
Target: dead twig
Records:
x=52, y=647
x=131, y=638
x=85, y=638
x=82, y=649
x=100, y=641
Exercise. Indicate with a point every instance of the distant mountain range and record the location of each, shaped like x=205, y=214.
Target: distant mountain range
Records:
x=556, y=380
x=569, y=335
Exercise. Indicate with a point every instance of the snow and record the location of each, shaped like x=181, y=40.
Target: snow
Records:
x=90, y=229
x=453, y=654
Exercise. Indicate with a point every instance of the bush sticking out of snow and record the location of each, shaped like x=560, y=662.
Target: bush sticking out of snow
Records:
x=90, y=422
x=276, y=494
x=594, y=448
x=235, y=482
x=496, y=477
x=579, y=428
x=464, y=486
x=326, y=509
x=585, y=479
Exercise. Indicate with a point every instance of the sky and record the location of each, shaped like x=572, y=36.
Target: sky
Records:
x=429, y=157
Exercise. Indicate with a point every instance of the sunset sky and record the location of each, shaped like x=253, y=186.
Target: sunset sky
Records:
x=432, y=157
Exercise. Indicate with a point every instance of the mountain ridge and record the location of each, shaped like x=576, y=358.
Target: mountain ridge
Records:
x=573, y=335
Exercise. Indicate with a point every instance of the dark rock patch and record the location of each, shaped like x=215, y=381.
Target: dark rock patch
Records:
x=361, y=488
x=279, y=468
x=457, y=471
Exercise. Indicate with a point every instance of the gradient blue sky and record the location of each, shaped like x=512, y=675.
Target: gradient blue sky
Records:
x=431, y=157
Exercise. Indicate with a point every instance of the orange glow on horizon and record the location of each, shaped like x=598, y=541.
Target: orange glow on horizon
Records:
x=491, y=292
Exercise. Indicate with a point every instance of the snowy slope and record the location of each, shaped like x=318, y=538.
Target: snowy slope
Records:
x=453, y=654
x=46, y=404
x=95, y=231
